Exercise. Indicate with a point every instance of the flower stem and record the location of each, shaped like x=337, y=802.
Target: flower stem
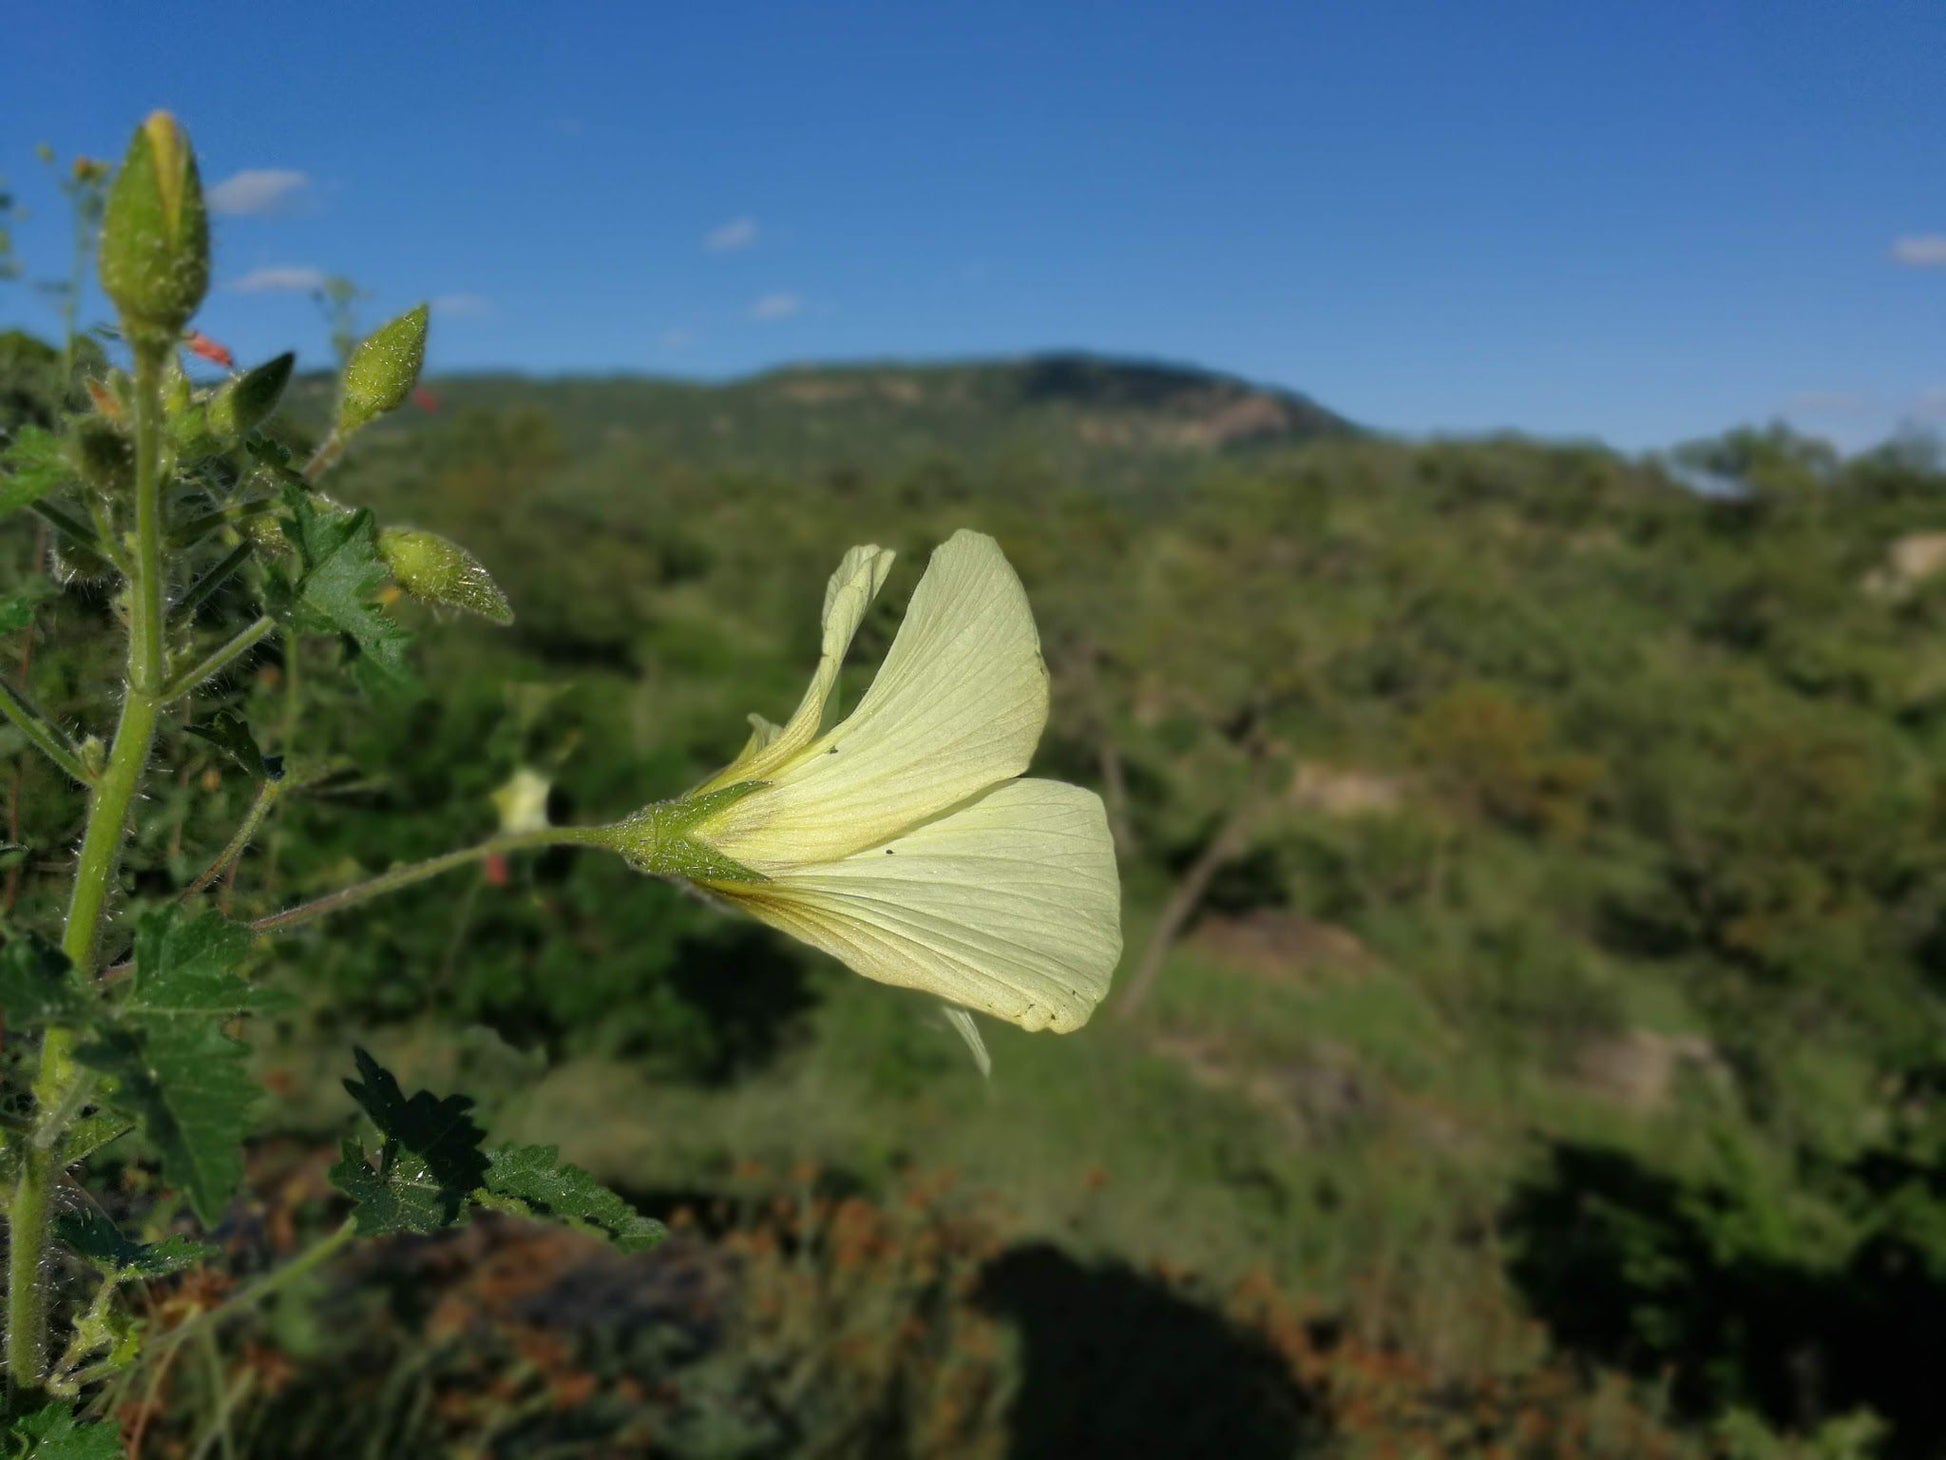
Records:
x=251, y=1294
x=400, y=877
x=219, y=660
x=267, y=795
x=94, y=876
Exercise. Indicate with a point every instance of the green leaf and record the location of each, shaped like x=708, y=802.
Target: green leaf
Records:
x=336, y=587
x=36, y=988
x=91, y=1234
x=230, y=735
x=32, y=466
x=53, y=1433
x=184, y=1080
x=534, y=1180
x=429, y=1163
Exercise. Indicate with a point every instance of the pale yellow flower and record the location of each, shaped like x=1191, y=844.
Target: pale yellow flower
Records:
x=899, y=840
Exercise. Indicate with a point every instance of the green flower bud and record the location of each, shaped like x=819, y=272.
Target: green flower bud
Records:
x=437, y=570
x=245, y=403
x=383, y=370
x=103, y=454
x=155, y=236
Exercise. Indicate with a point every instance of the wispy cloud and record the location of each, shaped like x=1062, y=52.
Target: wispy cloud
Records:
x=777, y=306
x=257, y=192
x=738, y=233
x=677, y=339
x=1920, y=250
x=462, y=306
x=298, y=277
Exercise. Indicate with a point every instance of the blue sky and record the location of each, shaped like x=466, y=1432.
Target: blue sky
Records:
x=1641, y=221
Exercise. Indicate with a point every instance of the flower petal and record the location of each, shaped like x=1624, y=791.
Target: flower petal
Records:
x=1009, y=905
x=957, y=707
x=846, y=598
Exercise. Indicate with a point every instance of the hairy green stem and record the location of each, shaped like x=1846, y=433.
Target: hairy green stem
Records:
x=94, y=875
x=399, y=877
x=204, y=587
x=197, y=528
x=41, y=731
x=327, y=454
x=267, y=795
x=218, y=661
x=251, y=1294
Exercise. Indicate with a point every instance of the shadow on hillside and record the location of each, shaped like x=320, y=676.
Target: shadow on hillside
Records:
x=1114, y=1364
x=1633, y=1269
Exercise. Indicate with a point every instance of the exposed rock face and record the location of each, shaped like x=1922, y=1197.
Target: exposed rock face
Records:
x=1276, y=943
x=1908, y=562
x=1640, y=1069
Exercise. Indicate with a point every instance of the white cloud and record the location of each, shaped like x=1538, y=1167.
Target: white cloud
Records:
x=256, y=191
x=776, y=306
x=738, y=233
x=462, y=306
x=1920, y=250
x=280, y=277
x=676, y=339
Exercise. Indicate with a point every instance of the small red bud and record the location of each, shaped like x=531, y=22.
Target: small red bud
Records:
x=201, y=344
x=497, y=874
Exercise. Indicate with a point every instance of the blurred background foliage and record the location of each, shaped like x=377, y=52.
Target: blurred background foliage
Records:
x=1529, y=1042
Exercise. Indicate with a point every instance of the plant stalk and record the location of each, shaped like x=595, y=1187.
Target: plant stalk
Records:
x=94, y=876
x=400, y=877
x=41, y=731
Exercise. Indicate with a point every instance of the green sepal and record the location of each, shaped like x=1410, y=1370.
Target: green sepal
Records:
x=429, y=1161
x=534, y=1180
x=241, y=405
x=660, y=839
x=92, y=1235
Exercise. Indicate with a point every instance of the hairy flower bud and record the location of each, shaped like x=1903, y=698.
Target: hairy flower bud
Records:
x=103, y=454
x=438, y=570
x=382, y=370
x=241, y=405
x=155, y=235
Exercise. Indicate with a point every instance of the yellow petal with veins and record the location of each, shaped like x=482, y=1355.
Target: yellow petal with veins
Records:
x=1008, y=905
x=957, y=707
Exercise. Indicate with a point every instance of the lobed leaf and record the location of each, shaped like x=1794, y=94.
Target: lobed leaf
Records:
x=429, y=1162
x=36, y=988
x=53, y=1433
x=335, y=589
x=100, y=1241
x=32, y=466
x=534, y=1180
x=173, y=1069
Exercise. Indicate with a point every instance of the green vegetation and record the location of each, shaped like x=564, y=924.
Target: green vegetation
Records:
x=1529, y=1042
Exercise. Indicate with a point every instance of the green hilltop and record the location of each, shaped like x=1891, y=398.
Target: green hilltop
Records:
x=1128, y=421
